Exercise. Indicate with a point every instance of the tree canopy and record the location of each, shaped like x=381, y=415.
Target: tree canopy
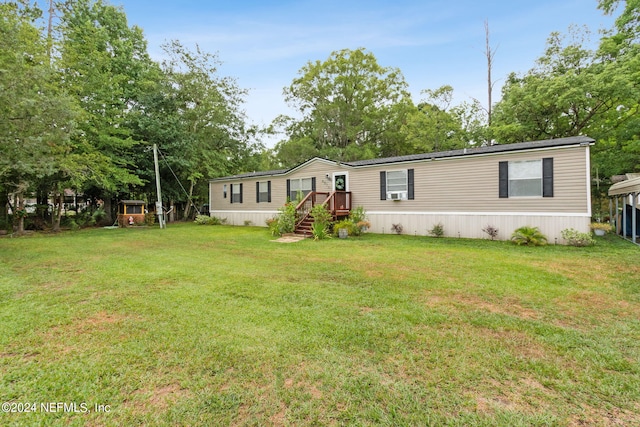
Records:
x=351, y=108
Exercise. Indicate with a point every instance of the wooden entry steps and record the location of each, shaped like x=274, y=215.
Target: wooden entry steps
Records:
x=337, y=202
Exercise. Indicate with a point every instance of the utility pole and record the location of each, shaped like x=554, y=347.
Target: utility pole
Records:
x=159, y=211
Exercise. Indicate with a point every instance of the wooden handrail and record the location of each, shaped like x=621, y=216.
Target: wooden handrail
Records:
x=304, y=200
x=303, y=211
x=328, y=199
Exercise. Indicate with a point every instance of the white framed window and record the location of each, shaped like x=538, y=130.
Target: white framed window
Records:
x=303, y=185
x=525, y=178
x=263, y=192
x=236, y=193
x=397, y=185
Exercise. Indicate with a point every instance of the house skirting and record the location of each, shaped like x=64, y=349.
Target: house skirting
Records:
x=256, y=218
x=455, y=224
x=470, y=225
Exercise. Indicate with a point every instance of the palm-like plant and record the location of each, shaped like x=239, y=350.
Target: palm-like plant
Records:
x=528, y=236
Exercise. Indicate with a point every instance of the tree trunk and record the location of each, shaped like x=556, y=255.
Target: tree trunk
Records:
x=107, y=209
x=489, y=54
x=20, y=213
x=187, y=210
x=57, y=211
x=4, y=212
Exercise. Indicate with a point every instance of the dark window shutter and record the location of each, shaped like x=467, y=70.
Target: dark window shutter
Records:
x=503, y=179
x=410, y=187
x=547, y=177
x=313, y=183
x=288, y=190
x=231, y=192
x=240, y=192
x=257, y=192
x=269, y=191
x=383, y=185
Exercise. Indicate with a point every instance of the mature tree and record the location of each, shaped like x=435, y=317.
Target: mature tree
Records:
x=106, y=68
x=565, y=95
x=433, y=126
x=195, y=117
x=36, y=118
x=350, y=106
x=628, y=22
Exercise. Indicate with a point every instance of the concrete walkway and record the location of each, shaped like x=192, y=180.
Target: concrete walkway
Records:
x=289, y=238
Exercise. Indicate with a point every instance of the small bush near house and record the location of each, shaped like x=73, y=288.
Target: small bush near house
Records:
x=437, y=230
x=344, y=224
x=397, y=228
x=601, y=226
x=99, y=215
x=320, y=231
x=576, y=238
x=358, y=214
x=491, y=231
x=321, y=221
x=355, y=224
x=209, y=220
x=285, y=221
x=149, y=219
x=203, y=220
x=528, y=236
x=363, y=226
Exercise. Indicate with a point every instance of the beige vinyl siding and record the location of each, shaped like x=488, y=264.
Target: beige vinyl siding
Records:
x=317, y=168
x=470, y=184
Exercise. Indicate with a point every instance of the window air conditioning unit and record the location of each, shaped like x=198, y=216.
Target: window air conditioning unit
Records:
x=397, y=195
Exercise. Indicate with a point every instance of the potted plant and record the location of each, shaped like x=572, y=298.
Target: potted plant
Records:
x=600, y=228
x=342, y=228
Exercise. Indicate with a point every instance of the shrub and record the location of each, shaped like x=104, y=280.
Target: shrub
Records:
x=576, y=238
x=209, y=220
x=321, y=214
x=321, y=220
x=248, y=223
x=397, y=228
x=358, y=214
x=99, y=215
x=355, y=224
x=437, y=230
x=320, y=231
x=491, y=231
x=601, y=226
x=528, y=236
x=149, y=218
x=285, y=221
x=363, y=225
x=344, y=224
x=358, y=218
x=203, y=220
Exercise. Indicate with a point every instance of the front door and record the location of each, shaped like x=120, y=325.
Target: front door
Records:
x=340, y=184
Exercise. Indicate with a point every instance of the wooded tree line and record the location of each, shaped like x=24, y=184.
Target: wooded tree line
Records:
x=81, y=103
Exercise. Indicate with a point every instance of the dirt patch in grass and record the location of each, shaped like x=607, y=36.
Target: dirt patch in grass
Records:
x=590, y=416
x=460, y=300
x=65, y=338
x=156, y=398
x=597, y=303
x=573, y=269
x=525, y=395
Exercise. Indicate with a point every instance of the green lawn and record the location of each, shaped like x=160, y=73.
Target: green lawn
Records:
x=216, y=325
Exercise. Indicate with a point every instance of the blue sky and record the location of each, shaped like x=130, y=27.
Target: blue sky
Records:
x=263, y=44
